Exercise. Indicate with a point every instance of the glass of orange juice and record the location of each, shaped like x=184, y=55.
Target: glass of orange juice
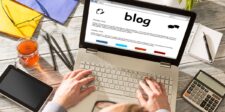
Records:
x=28, y=52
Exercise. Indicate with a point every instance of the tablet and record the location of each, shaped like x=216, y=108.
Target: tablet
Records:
x=24, y=89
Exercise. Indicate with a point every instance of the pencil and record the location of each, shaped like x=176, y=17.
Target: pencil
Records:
x=68, y=49
x=52, y=54
x=60, y=50
x=54, y=49
x=207, y=48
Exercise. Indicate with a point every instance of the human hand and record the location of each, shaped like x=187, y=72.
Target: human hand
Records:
x=69, y=92
x=154, y=96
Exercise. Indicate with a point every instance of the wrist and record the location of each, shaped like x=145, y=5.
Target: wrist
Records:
x=60, y=102
x=156, y=108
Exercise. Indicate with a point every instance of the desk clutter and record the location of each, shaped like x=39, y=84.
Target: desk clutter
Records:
x=20, y=18
x=54, y=47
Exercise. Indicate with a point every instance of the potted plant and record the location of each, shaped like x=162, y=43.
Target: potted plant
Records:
x=182, y=4
x=189, y=3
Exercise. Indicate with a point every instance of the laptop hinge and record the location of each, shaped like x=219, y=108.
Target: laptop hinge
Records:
x=165, y=65
x=90, y=50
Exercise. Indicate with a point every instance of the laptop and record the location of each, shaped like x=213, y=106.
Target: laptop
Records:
x=123, y=41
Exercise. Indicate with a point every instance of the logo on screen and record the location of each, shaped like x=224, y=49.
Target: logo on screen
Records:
x=173, y=26
x=135, y=18
x=100, y=11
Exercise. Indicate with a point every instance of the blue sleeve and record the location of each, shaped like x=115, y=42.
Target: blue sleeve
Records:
x=53, y=107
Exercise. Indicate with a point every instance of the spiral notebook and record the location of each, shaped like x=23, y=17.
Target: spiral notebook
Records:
x=58, y=10
x=198, y=48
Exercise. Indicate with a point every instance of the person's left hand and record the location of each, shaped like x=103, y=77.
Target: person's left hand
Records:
x=69, y=92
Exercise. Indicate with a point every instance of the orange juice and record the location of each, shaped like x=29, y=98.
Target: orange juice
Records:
x=28, y=53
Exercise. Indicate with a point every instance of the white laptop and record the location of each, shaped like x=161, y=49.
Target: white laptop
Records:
x=123, y=41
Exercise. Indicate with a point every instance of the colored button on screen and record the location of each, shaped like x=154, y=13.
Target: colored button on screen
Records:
x=121, y=45
x=158, y=52
x=140, y=49
x=102, y=41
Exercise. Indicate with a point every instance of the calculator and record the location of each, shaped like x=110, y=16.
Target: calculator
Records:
x=204, y=92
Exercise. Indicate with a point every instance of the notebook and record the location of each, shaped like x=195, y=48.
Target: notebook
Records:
x=198, y=48
x=25, y=20
x=58, y=10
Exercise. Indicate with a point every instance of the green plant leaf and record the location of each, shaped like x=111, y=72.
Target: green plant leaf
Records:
x=179, y=1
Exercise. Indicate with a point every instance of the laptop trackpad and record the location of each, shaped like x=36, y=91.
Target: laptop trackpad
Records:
x=85, y=105
x=105, y=100
x=98, y=100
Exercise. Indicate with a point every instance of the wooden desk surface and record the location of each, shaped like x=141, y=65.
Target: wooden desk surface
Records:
x=210, y=13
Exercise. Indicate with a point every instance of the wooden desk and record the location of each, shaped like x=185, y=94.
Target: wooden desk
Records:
x=210, y=13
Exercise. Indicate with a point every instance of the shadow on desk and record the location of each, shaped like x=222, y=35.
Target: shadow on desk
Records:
x=44, y=72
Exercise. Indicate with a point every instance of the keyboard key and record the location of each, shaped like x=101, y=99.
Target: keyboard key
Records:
x=115, y=77
x=110, y=81
x=104, y=80
x=104, y=75
x=113, y=72
x=108, y=70
x=115, y=82
x=125, y=78
x=117, y=87
x=121, y=83
x=122, y=88
x=102, y=69
x=206, y=108
x=120, y=78
x=131, y=84
x=87, y=67
x=81, y=66
x=127, y=89
x=97, y=69
x=111, y=86
x=203, y=104
x=210, y=110
x=208, y=96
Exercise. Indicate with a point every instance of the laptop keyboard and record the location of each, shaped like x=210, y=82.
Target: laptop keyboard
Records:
x=122, y=81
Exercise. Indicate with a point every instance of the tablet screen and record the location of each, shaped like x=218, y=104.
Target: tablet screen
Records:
x=24, y=89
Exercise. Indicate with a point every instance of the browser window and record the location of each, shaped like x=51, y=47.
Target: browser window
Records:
x=135, y=28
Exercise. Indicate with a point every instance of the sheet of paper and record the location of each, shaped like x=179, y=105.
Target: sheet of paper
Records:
x=198, y=48
x=58, y=10
x=26, y=19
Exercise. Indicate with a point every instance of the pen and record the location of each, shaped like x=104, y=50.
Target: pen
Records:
x=52, y=54
x=207, y=47
x=68, y=49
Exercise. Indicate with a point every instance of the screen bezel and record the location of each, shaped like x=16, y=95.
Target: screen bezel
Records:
x=133, y=54
x=14, y=98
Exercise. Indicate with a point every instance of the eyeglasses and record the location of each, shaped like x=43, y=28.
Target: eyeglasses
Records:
x=99, y=105
x=20, y=24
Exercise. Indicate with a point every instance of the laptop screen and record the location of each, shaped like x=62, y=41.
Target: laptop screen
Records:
x=137, y=29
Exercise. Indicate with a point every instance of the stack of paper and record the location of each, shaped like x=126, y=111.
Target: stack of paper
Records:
x=58, y=10
x=198, y=48
x=17, y=20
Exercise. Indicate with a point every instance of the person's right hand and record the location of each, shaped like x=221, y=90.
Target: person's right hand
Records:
x=70, y=91
x=152, y=95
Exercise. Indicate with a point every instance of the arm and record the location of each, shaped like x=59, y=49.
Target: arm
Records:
x=152, y=95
